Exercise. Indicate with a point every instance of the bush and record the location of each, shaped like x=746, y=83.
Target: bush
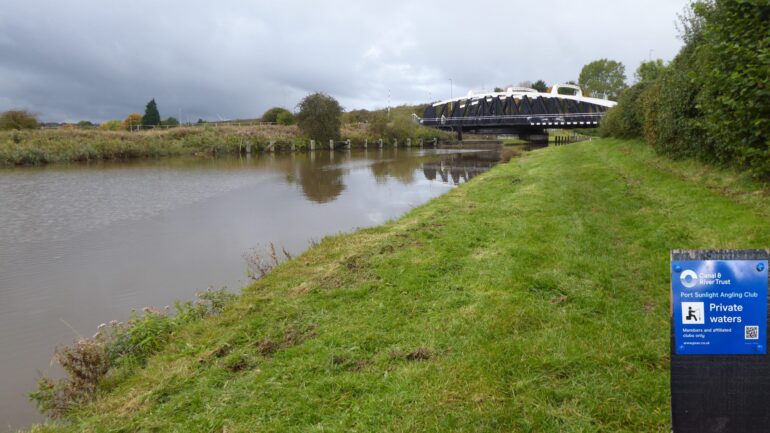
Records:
x=678, y=128
x=272, y=114
x=133, y=121
x=626, y=119
x=111, y=125
x=319, y=117
x=285, y=118
x=117, y=345
x=713, y=101
x=734, y=73
x=18, y=120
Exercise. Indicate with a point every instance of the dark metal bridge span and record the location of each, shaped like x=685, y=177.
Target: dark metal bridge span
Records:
x=518, y=110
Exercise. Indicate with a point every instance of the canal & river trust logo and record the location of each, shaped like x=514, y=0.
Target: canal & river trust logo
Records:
x=688, y=278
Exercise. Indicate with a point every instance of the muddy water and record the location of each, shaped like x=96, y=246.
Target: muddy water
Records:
x=84, y=244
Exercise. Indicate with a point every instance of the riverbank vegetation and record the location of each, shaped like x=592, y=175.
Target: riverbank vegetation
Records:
x=42, y=146
x=532, y=299
x=712, y=102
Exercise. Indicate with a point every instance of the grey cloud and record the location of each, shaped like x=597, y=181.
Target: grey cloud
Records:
x=74, y=60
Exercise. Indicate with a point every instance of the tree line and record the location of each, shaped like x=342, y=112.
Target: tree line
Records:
x=712, y=101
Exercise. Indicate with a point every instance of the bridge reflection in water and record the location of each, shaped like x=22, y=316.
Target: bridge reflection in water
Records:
x=459, y=168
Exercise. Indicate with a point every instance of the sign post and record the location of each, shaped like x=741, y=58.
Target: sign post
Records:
x=720, y=369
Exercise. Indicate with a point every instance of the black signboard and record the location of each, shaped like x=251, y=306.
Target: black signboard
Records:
x=720, y=370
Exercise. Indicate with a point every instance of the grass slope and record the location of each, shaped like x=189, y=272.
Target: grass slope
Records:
x=533, y=299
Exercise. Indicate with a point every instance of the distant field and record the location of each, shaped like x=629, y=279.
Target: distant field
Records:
x=532, y=299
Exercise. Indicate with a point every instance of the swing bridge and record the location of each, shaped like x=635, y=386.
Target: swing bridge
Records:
x=518, y=110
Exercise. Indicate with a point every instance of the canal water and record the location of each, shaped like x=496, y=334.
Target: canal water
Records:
x=84, y=244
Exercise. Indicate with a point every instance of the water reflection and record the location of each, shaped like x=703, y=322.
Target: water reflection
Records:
x=320, y=178
x=460, y=168
x=84, y=244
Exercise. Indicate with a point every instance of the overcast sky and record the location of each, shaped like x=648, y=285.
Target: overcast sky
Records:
x=70, y=60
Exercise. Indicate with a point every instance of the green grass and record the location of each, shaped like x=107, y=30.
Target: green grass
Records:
x=36, y=147
x=532, y=299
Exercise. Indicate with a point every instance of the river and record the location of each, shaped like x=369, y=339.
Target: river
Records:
x=84, y=244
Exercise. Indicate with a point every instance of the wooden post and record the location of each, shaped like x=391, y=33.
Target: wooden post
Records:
x=331, y=144
x=312, y=144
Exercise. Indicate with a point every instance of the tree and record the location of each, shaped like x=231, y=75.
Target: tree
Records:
x=271, y=115
x=151, y=115
x=85, y=124
x=17, y=119
x=650, y=71
x=540, y=86
x=171, y=121
x=319, y=117
x=285, y=118
x=132, y=121
x=603, y=77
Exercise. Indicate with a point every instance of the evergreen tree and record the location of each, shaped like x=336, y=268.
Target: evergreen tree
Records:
x=540, y=86
x=151, y=115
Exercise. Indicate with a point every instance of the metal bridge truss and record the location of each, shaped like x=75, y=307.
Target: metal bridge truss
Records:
x=521, y=111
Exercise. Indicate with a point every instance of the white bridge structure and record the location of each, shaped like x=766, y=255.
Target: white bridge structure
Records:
x=517, y=110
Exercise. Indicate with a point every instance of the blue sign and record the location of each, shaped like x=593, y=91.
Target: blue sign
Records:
x=720, y=307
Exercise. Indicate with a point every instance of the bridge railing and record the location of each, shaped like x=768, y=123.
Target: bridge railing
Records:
x=565, y=119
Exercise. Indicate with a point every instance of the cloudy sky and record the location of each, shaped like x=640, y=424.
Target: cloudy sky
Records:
x=69, y=60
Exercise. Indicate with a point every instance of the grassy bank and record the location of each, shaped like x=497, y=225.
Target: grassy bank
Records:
x=34, y=147
x=532, y=299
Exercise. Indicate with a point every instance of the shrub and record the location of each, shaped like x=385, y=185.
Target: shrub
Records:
x=712, y=102
x=132, y=121
x=272, y=114
x=734, y=72
x=117, y=345
x=285, y=118
x=319, y=117
x=626, y=119
x=85, y=363
x=111, y=125
x=17, y=119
